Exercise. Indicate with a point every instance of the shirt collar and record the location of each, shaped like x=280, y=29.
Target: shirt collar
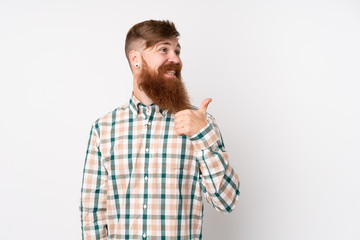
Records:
x=135, y=104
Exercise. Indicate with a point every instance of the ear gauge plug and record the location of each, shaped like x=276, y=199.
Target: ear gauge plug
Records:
x=136, y=65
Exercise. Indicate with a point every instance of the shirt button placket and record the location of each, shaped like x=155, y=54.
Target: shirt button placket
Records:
x=147, y=131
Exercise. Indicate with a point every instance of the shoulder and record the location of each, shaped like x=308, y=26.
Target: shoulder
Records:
x=110, y=117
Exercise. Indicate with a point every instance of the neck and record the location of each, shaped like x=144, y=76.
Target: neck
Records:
x=141, y=95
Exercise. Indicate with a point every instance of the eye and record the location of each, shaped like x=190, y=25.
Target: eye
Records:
x=164, y=50
x=177, y=52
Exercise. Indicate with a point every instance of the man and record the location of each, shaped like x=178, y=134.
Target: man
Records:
x=149, y=161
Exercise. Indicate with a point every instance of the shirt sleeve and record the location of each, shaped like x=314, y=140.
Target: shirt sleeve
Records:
x=219, y=182
x=93, y=191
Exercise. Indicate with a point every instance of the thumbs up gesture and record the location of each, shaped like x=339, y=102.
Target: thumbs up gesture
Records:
x=188, y=122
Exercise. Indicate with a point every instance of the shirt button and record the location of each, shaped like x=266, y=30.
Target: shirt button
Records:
x=144, y=235
x=145, y=206
x=146, y=178
x=147, y=149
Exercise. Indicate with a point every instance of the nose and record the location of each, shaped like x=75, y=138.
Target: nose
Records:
x=173, y=57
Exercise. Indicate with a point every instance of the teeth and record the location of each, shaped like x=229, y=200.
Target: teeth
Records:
x=171, y=72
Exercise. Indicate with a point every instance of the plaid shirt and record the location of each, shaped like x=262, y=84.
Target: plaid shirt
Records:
x=143, y=181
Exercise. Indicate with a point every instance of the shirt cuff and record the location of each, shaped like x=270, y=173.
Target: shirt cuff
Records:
x=205, y=138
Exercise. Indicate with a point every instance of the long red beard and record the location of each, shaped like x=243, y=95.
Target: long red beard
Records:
x=168, y=93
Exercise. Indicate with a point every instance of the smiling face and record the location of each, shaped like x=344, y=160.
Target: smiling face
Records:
x=160, y=76
x=163, y=57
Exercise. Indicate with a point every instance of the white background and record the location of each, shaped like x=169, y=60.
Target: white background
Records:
x=283, y=75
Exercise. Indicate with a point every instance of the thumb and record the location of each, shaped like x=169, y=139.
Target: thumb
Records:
x=204, y=105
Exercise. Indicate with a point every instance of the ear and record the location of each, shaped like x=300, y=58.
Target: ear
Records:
x=135, y=59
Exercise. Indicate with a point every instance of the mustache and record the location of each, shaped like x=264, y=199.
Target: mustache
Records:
x=171, y=67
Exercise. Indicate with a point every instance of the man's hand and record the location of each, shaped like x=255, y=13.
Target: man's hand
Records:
x=188, y=122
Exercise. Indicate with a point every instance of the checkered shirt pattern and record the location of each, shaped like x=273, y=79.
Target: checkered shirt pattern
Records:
x=143, y=181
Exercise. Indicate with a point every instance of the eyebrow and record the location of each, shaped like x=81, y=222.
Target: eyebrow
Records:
x=167, y=43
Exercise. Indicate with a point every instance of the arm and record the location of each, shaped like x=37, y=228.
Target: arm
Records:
x=93, y=191
x=219, y=182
